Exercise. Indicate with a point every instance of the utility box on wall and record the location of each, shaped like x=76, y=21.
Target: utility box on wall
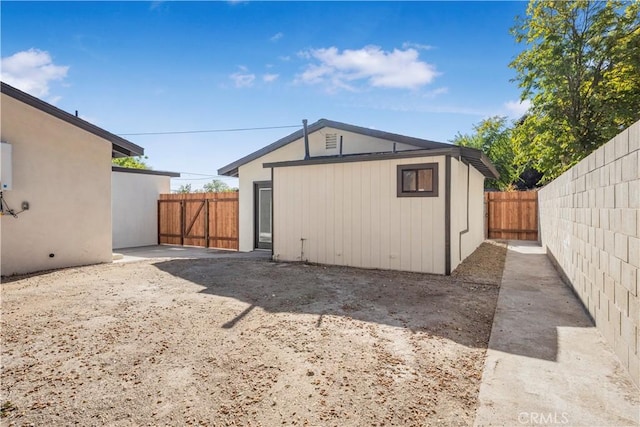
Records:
x=5, y=166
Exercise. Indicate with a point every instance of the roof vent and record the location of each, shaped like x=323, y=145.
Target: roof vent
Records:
x=331, y=141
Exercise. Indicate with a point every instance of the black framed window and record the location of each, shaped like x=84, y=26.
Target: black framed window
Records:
x=418, y=180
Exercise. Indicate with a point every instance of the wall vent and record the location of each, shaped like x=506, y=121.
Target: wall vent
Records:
x=331, y=141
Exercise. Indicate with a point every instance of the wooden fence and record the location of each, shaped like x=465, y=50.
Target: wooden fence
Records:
x=203, y=219
x=512, y=215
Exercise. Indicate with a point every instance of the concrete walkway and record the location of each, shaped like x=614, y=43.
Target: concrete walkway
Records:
x=185, y=252
x=546, y=363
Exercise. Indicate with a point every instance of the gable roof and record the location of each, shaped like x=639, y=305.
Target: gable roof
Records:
x=232, y=168
x=476, y=157
x=120, y=147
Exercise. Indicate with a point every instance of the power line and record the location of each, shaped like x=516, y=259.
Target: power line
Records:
x=201, y=174
x=218, y=177
x=208, y=131
x=204, y=175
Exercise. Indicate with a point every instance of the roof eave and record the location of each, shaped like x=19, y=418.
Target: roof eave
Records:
x=120, y=147
x=232, y=168
x=361, y=157
x=480, y=161
x=115, y=168
x=472, y=156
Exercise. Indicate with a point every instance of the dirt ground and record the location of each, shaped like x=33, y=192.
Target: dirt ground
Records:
x=246, y=342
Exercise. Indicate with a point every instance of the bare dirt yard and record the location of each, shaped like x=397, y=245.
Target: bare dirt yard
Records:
x=249, y=342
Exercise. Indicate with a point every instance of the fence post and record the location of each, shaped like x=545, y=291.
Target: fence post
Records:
x=206, y=222
x=183, y=208
x=486, y=215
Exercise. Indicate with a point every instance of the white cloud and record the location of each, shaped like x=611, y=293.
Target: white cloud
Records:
x=268, y=78
x=243, y=78
x=397, y=69
x=276, y=37
x=419, y=46
x=517, y=108
x=32, y=71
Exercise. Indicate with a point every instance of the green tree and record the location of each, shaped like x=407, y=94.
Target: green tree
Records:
x=493, y=137
x=184, y=188
x=131, y=162
x=581, y=72
x=216, y=186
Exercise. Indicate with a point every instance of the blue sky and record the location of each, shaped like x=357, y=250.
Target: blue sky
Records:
x=424, y=69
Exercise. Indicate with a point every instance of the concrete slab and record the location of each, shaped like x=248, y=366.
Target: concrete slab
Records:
x=547, y=364
x=184, y=252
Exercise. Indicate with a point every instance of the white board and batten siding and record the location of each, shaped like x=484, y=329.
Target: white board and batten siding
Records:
x=349, y=214
x=467, y=211
x=253, y=171
x=346, y=211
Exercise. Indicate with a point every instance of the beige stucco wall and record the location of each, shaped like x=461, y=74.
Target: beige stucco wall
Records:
x=65, y=175
x=590, y=224
x=467, y=211
x=349, y=214
x=254, y=171
x=134, y=207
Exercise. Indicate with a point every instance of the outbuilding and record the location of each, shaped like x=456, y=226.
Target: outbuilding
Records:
x=335, y=193
x=134, y=206
x=56, y=186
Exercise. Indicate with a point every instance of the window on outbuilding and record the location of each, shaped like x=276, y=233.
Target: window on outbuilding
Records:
x=418, y=180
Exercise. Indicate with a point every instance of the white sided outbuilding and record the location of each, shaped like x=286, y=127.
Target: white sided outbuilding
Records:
x=340, y=194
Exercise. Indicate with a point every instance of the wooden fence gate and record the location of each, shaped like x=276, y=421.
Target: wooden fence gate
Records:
x=202, y=219
x=512, y=215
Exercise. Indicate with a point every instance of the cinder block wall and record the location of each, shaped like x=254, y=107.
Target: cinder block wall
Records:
x=590, y=225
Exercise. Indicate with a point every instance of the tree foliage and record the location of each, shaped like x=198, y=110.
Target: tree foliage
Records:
x=184, y=189
x=581, y=71
x=493, y=137
x=215, y=186
x=131, y=162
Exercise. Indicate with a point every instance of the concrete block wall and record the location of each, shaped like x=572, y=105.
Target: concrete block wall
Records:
x=590, y=225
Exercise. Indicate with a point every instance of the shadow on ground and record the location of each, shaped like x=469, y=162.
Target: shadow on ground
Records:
x=447, y=307
x=546, y=358
x=533, y=305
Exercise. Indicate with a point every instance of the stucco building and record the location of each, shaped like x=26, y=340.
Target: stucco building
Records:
x=59, y=167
